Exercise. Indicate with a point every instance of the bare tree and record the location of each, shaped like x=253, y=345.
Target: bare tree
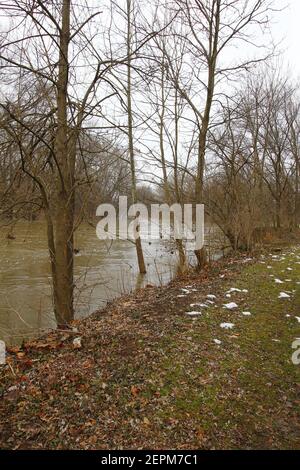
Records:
x=51, y=43
x=130, y=13
x=212, y=27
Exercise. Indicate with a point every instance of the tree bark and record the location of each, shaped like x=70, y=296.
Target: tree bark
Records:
x=64, y=213
x=204, y=125
x=138, y=243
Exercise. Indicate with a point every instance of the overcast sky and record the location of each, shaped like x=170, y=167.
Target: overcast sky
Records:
x=287, y=29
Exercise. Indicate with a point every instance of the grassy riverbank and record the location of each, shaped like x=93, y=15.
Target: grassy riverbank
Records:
x=148, y=375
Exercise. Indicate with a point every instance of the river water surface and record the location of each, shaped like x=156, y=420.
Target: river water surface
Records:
x=103, y=271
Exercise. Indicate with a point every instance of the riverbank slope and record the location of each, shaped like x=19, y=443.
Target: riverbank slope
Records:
x=155, y=370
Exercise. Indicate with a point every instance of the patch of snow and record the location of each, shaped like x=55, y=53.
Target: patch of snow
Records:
x=283, y=295
x=247, y=314
x=233, y=289
x=217, y=341
x=193, y=314
x=227, y=326
x=230, y=305
x=278, y=281
x=211, y=296
x=77, y=343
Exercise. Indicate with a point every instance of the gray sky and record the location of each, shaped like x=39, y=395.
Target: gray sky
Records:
x=287, y=28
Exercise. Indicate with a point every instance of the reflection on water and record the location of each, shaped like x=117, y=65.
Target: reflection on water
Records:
x=103, y=271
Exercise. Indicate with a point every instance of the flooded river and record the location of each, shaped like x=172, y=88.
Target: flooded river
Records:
x=103, y=271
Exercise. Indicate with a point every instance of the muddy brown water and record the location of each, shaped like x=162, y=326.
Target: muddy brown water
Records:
x=103, y=271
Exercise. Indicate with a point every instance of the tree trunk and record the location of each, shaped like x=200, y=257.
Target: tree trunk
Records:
x=204, y=125
x=278, y=213
x=201, y=254
x=138, y=243
x=63, y=284
x=297, y=203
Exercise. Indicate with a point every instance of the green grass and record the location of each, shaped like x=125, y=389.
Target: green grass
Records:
x=249, y=383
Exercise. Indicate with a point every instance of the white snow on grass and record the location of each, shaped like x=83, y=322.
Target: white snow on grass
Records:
x=298, y=319
x=233, y=289
x=279, y=281
x=193, y=314
x=227, y=326
x=199, y=305
x=247, y=314
x=217, y=341
x=230, y=305
x=211, y=296
x=283, y=295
